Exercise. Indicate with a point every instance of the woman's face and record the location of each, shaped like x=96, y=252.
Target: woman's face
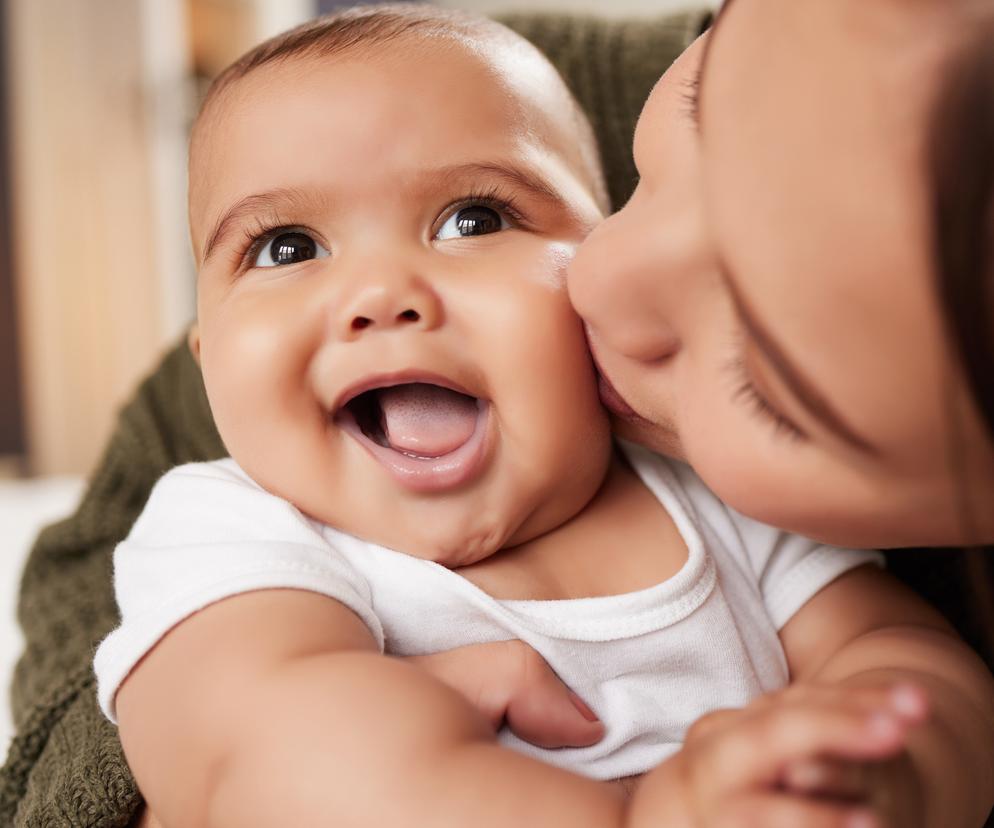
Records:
x=764, y=303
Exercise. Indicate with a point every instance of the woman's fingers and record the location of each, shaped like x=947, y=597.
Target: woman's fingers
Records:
x=544, y=711
x=780, y=810
x=509, y=682
x=761, y=745
x=831, y=778
x=754, y=747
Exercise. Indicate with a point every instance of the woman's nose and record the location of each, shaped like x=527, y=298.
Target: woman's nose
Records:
x=381, y=305
x=629, y=283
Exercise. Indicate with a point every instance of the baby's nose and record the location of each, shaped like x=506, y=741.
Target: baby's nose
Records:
x=379, y=307
x=408, y=315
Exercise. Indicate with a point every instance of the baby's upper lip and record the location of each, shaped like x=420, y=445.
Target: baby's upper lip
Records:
x=387, y=379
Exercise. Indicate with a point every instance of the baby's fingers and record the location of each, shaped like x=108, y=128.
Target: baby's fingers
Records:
x=778, y=810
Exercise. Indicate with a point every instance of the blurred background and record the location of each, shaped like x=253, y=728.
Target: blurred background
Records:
x=96, y=275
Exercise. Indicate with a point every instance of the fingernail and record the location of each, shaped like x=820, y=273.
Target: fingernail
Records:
x=806, y=775
x=861, y=820
x=580, y=705
x=883, y=726
x=909, y=701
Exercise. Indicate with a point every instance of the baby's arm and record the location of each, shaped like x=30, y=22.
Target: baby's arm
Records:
x=867, y=630
x=275, y=708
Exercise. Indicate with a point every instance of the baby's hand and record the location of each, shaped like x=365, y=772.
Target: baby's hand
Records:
x=508, y=681
x=757, y=766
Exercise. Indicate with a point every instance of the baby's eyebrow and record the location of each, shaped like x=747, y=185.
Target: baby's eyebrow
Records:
x=287, y=199
x=511, y=174
x=271, y=201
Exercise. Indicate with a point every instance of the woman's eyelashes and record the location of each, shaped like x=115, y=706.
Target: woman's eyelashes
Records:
x=746, y=393
x=691, y=96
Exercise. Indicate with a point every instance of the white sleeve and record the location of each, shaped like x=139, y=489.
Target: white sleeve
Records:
x=790, y=568
x=208, y=532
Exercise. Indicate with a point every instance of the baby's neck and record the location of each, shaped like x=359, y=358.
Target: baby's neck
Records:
x=622, y=541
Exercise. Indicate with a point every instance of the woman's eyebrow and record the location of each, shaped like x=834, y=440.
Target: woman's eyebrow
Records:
x=699, y=82
x=803, y=390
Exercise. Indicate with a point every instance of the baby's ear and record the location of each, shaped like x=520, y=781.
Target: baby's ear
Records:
x=193, y=341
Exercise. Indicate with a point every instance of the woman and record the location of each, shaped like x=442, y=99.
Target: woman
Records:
x=787, y=300
x=681, y=339
x=798, y=299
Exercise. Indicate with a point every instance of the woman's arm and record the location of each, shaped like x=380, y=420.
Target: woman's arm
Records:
x=275, y=708
x=866, y=630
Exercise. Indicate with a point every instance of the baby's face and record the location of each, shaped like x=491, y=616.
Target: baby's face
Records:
x=384, y=330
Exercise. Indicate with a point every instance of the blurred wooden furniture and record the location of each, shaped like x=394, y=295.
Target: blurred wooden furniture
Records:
x=101, y=95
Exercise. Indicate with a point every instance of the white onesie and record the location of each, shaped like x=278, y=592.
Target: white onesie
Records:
x=649, y=662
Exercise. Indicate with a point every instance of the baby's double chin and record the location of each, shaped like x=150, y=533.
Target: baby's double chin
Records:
x=459, y=552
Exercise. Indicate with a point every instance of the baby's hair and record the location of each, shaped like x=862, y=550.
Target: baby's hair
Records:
x=366, y=27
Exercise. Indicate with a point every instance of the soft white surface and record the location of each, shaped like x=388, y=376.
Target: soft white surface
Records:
x=25, y=507
x=648, y=662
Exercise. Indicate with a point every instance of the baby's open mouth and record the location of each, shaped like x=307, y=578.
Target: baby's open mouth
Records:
x=429, y=437
x=417, y=419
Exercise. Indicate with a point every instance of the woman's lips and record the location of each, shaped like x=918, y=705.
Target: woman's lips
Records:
x=428, y=474
x=612, y=400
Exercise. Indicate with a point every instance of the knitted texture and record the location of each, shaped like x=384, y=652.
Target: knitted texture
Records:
x=65, y=766
x=611, y=66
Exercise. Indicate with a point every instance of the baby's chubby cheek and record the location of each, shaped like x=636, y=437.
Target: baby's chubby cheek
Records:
x=549, y=268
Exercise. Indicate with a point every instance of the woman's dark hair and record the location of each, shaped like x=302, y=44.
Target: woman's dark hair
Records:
x=962, y=172
x=961, y=168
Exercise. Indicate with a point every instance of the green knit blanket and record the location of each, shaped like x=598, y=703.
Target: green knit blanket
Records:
x=65, y=766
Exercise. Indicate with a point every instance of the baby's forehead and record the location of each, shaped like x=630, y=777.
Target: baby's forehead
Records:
x=511, y=82
x=517, y=72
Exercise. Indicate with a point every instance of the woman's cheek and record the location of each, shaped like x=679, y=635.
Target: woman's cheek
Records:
x=735, y=459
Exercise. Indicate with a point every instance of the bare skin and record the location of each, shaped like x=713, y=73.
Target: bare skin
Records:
x=789, y=227
x=373, y=740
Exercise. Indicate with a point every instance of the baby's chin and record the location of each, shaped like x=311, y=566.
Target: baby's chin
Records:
x=659, y=438
x=452, y=547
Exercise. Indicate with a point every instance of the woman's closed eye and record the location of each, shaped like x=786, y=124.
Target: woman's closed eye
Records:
x=747, y=393
x=285, y=246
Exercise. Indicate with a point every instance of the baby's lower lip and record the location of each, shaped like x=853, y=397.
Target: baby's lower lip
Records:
x=428, y=474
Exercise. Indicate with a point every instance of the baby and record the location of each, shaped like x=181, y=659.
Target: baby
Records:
x=383, y=204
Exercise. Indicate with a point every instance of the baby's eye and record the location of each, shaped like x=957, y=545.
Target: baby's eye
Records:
x=474, y=220
x=289, y=248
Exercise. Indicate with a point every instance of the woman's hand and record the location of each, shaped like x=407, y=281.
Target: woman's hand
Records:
x=814, y=755
x=508, y=681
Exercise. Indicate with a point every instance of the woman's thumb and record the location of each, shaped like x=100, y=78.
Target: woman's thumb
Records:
x=545, y=712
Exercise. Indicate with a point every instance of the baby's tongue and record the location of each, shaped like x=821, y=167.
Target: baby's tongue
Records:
x=426, y=419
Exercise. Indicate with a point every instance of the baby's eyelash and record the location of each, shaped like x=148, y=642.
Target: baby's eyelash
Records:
x=258, y=234
x=746, y=393
x=495, y=197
